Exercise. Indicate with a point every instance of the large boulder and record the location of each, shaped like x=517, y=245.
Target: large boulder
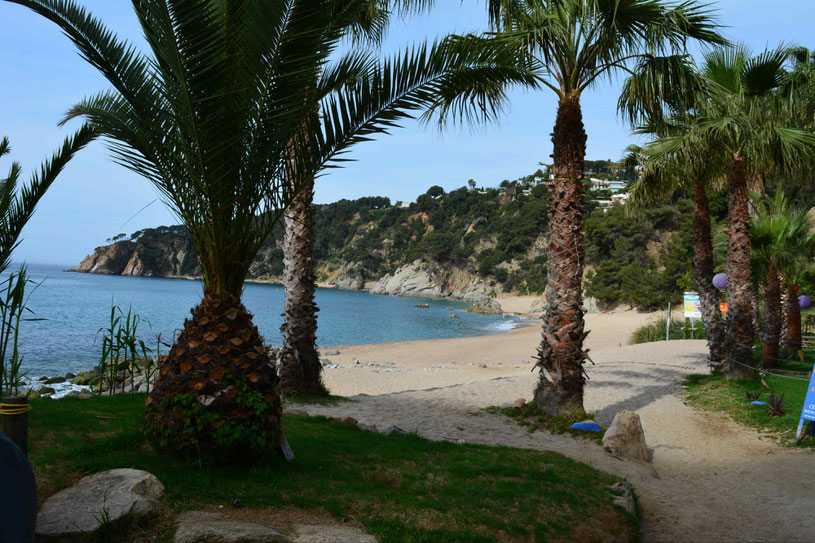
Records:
x=625, y=437
x=486, y=305
x=350, y=277
x=75, y=513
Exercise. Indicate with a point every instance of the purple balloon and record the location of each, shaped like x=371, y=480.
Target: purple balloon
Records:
x=804, y=301
x=720, y=281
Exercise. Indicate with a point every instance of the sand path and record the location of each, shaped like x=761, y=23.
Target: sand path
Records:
x=710, y=479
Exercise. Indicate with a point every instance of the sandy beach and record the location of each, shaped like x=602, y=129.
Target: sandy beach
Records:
x=710, y=480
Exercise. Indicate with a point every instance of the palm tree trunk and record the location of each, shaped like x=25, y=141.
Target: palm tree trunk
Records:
x=739, y=301
x=785, y=313
x=772, y=320
x=703, y=263
x=299, y=361
x=560, y=355
x=217, y=396
x=794, y=340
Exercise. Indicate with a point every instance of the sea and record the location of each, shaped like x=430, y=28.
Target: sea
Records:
x=75, y=306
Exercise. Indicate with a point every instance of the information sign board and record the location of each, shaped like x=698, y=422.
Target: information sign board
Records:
x=693, y=307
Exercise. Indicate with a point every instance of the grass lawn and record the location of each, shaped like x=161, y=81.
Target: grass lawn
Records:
x=718, y=394
x=401, y=488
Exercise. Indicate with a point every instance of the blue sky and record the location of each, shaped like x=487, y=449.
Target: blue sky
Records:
x=95, y=199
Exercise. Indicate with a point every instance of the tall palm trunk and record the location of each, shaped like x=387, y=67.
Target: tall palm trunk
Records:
x=560, y=355
x=703, y=263
x=794, y=340
x=300, y=363
x=772, y=320
x=740, y=329
x=785, y=313
x=235, y=398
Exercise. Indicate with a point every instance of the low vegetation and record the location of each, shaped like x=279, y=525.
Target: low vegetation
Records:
x=657, y=331
x=533, y=418
x=401, y=488
x=716, y=394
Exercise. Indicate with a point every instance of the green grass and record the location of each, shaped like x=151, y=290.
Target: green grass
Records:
x=717, y=394
x=655, y=331
x=531, y=417
x=401, y=488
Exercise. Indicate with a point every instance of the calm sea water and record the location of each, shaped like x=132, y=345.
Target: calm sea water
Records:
x=77, y=305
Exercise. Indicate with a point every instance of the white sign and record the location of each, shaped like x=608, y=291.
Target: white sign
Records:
x=693, y=307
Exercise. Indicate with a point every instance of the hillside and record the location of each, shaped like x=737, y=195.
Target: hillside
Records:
x=466, y=243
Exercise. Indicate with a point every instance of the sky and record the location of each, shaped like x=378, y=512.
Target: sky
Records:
x=41, y=75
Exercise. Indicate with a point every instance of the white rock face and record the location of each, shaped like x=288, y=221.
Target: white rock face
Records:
x=75, y=511
x=625, y=437
x=422, y=280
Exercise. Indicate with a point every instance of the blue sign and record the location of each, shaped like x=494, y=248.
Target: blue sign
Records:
x=809, y=407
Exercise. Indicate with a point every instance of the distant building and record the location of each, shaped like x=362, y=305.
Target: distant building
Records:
x=406, y=204
x=620, y=198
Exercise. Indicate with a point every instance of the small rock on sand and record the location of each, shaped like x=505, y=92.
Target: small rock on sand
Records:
x=519, y=403
x=332, y=352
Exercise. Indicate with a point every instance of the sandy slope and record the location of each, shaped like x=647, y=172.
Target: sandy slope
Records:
x=710, y=480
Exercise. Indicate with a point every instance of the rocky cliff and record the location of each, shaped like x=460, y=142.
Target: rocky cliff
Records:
x=422, y=279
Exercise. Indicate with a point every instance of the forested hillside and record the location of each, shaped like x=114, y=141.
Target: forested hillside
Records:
x=641, y=258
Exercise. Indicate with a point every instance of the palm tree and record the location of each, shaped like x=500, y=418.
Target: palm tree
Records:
x=739, y=115
x=575, y=43
x=17, y=205
x=782, y=241
x=220, y=116
x=300, y=367
x=691, y=165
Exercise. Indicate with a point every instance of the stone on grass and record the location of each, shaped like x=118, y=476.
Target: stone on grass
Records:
x=349, y=421
x=393, y=431
x=625, y=437
x=366, y=428
x=76, y=511
x=330, y=533
x=519, y=403
x=200, y=527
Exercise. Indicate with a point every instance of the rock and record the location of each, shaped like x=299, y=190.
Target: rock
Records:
x=482, y=365
x=487, y=306
x=366, y=428
x=350, y=277
x=624, y=497
x=69, y=376
x=519, y=403
x=330, y=533
x=46, y=390
x=349, y=421
x=425, y=280
x=43, y=378
x=75, y=511
x=393, y=431
x=450, y=308
x=332, y=352
x=454, y=316
x=628, y=505
x=72, y=394
x=625, y=437
x=55, y=380
x=201, y=527
x=85, y=393
x=422, y=306
x=30, y=393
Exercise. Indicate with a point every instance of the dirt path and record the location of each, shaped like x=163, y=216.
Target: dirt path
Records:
x=710, y=479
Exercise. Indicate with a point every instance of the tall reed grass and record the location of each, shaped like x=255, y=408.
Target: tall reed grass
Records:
x=655, y=331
